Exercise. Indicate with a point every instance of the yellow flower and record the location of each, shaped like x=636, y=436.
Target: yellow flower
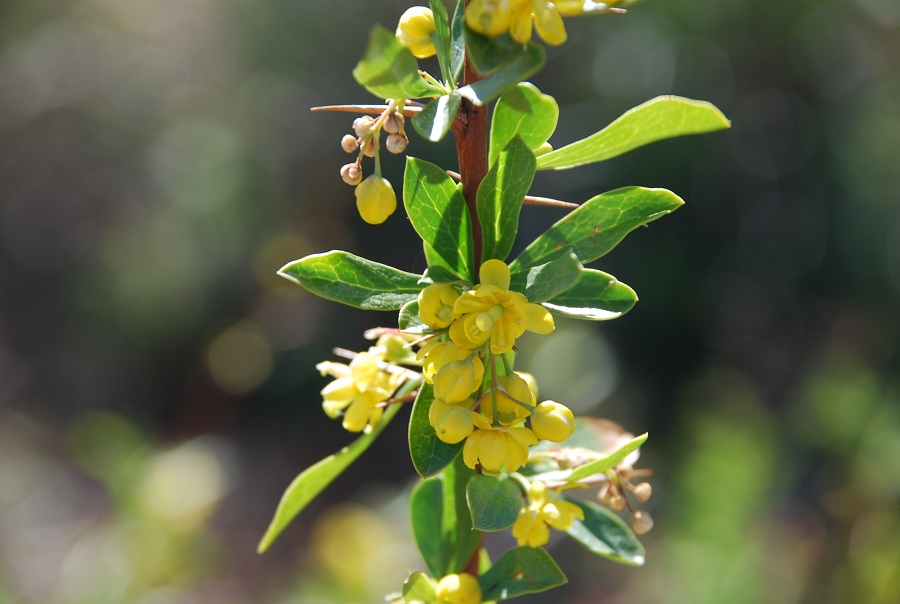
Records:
x=495, y=17
x=458, y=380
x=436, y=305
x=451, y=422
x=414, y=31
x=512, y=391
x=532, y=525
x=552, y=421
x=491, y=17
x=490, y=312
x=359, y=387
x=375, y=199
x=435, y=355
x=458, y=589
x=497, y=448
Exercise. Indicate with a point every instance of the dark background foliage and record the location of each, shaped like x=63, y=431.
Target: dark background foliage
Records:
x=158, y=164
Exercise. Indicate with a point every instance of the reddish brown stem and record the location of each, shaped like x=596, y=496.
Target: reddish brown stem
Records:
x=471, y=133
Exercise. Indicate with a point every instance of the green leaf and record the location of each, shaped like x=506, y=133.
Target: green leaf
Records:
x=355, y=281
x=605, y=534
x=500, y=196
x=438, y=274
x=543, y=282
x=657, y=119
x=458, y=531
x=457, y=42
x=314, y=479
x=489, y=54
x=494, y=503
x=389, y=71
x=438, y=213
x=435, y=120
x=409, y=321
x=528, y=62
x=609, y=461
x=419, y=587
x=520, y=571
x=441, y=37
x=595, y=297
x=598, y=225
x=429, y=454
x=426, y=512
x=522, y=110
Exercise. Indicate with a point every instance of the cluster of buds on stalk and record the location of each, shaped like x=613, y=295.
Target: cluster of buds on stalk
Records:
x=375, y=197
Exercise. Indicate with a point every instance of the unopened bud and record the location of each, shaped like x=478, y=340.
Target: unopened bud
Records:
x=349, y=143
x=394, y=123
x=351, y=174
x=375, y=199
x=369, y=148
x=616, y=502
x=642, y=522
x=363, y=125
x=396, y=143
x=643, y=491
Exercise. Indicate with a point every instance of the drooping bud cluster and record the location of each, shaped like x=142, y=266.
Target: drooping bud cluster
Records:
x=375, y=197
x=478, y=398
x=361, y=387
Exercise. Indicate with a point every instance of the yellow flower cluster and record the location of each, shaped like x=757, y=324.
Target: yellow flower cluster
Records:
x=360, y=386
x=493, y=18
x=532, y=527
x=476, y=328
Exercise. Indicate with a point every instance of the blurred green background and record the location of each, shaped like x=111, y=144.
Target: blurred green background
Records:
x=158, y=164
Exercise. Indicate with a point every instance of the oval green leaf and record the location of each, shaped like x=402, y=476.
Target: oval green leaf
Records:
x=314, y=479
x=522, y=110
x=426, y=512
x=520, y=571
x=596, y=296
x=657, y=119
x=349, y=279
x=598, y=225
x=435, y=120
x=494, y=502
x=500, y=196
x=609, y=461
x=543, y=282
x=409, y=321
x=389, y=71
x=526, y=63
x=441, y=37
x=605, y=534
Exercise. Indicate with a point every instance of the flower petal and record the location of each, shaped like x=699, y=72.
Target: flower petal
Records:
x=495, y=272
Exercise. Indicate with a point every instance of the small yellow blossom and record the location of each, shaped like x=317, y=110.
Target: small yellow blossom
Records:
x=375, y=199
x=497, y=448
x=435, y=355
x=451, y=422
x=532, y=525
x=489, y=312
x=493, y=18
x=458, y=380
x=415, y=29
x=458, y=589
x=436, y=305
x=357, y=391
x=511, y=396
x=552, y=421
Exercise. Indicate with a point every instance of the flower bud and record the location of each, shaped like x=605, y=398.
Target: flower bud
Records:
x=616, y=502
x=458, y=589
x=349, y=143
x=457, y=380
x=396, y=143
x=451, y=422
x=488, y=17
x=369, y=148
x=375, y=199
x=363, y=125
x=351, y=174
x=414, y=31
x=643, y=491
x=552, y=421
x=642, y=522
x=510, y=397
x=393, y=123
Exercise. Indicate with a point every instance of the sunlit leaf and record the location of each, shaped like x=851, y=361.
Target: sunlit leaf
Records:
x=314, y=479
x=409, y=321
x=389, y=71
x=457, y=524
x=441, y=37
x=520, y=571
x=609, y=461
x=525, y=64
x=494, y=502
x=426, y=511
x=598, y=225
x=438, y=213
x=355, y=281
x=458, y=41
x=522, y=111
x=595, y=297
x=657, y=119
x=605, y=534
x=500, y=196
x=435, y=120
x=419, y=587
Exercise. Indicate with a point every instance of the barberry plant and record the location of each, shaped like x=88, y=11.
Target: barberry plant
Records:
x=491, y=454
